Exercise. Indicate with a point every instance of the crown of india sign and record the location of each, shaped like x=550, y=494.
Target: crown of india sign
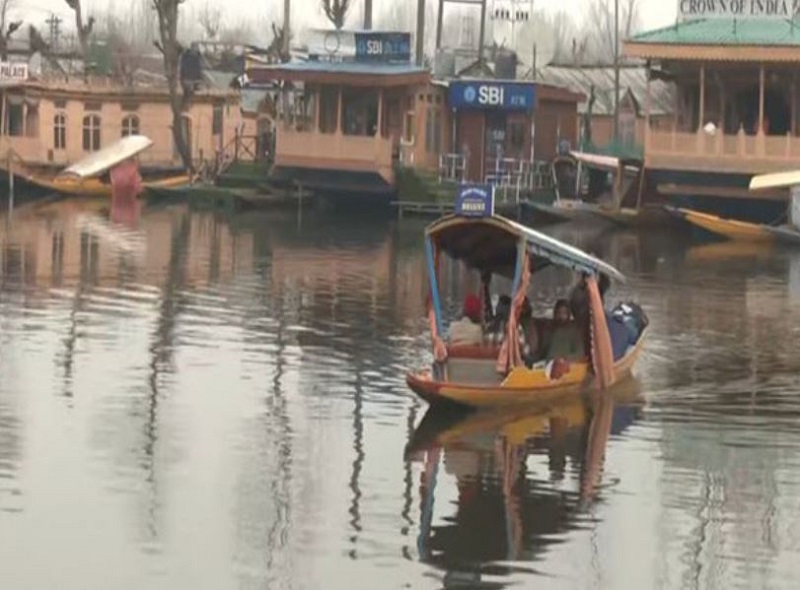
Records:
x=744, y=9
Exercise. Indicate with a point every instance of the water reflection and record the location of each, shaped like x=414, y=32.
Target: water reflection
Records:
x=524, y=477
x=222, y=397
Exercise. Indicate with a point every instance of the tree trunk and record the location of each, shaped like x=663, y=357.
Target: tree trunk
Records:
x=179, y=96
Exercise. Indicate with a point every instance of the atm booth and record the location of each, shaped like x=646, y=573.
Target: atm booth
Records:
x=500, y=127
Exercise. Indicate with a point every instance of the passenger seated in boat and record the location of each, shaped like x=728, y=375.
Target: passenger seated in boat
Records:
x=563, y=340
x=467, y=330
x=496, y=331
x=579, y=303
x=528, y=335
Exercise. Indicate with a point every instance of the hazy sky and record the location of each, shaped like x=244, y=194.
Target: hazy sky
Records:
x=654, y=13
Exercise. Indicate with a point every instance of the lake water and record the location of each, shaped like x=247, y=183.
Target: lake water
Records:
x=191, y=401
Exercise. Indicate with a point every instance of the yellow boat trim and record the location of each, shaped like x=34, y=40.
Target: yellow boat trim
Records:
x=729, y=228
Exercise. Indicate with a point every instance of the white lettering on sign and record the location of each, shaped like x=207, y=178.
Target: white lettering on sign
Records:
x=491, y=95
x=13, y=71
x=768, y=9
x=475, y=206
x=374, y=47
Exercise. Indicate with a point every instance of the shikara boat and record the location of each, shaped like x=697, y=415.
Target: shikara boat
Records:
x=495, y=375
x=86, y=177
x=733, y=229
x=621, y=205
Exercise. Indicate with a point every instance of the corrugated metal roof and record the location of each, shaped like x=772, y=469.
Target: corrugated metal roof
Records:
x=763, y=32
x=633, y=78
x=349, y=67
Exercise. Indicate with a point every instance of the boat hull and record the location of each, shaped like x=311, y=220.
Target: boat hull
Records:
x=741, y=231
x=522, y=386
x=725, y=195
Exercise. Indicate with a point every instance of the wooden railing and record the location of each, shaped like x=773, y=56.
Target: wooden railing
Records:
x=335, y=151
x=725, y=153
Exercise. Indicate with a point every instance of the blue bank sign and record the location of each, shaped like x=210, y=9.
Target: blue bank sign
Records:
x=383, y=46
x=475, y=200
x=504, y=96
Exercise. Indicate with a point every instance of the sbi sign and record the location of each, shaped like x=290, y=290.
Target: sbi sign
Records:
x=507, y=96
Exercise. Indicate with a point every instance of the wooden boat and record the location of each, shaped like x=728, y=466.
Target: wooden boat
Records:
x=734, y=229
x=483, y=375
x=87, y=177
x=609, y=208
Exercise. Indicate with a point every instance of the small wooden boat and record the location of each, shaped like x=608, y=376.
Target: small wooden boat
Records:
x=495, y=375
x=88, y=178
x=734, y=229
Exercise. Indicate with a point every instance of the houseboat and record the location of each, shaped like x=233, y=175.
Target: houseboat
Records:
x=343, y=110
x=49, y=123
x=736, y=110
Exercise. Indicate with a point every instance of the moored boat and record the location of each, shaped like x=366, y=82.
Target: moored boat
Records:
x=88, y=177
x=733, y=229
x=485, y=374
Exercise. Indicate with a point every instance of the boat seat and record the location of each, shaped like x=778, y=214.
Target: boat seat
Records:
x=475, y=371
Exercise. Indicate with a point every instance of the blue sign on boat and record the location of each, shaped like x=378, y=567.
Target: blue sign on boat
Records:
x=383, y=46
x=475, y=200
x=503, y=96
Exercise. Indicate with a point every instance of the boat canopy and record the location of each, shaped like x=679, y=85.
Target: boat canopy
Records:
x=108, y=157
x=491, y=244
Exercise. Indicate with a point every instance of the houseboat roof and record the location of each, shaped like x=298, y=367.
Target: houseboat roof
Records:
x=753, y=40
x=632, y=79
x=351, y=73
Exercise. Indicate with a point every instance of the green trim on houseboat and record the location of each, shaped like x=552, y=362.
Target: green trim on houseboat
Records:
x=777, y=33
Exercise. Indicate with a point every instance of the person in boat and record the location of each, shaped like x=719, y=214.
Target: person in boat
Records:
x=528, y=335
x=563, y=340
x=467, y=330
x=579, y=304
x=496, y=332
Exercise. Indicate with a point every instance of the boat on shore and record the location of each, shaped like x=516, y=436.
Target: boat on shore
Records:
x=734, y=229
x=487, y=374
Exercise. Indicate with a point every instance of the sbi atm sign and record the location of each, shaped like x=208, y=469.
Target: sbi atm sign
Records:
x=480, y=94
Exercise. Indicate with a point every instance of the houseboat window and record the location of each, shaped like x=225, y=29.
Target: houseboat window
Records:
x=328, y=109
x=433, y=131
x=409, y=121
x=60, y=131
x=91, y=133
x=130, y=125
x=516, y=131
x=15, y=116
x=360, y=112
x=216, y=122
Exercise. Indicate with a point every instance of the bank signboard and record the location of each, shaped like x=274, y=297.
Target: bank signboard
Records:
x=489, y=95
x=474, y=200
x=738, y=9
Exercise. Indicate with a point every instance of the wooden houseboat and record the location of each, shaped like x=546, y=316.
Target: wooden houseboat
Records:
x=736, y=110
x=343, y=111
x=48, y=124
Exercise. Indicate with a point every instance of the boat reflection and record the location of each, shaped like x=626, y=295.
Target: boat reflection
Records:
x=506, y=511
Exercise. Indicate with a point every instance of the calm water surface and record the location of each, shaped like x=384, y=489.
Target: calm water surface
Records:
x=195, y=401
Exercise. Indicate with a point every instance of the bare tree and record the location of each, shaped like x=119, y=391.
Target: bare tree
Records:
x=7, y=29
x=600, y=32
x=180, y=95
x=84, y=30
x=336, y=11
x=210, y=19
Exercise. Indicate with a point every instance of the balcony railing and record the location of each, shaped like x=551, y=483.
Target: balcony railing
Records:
x=702, y=151
x=336, y=151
